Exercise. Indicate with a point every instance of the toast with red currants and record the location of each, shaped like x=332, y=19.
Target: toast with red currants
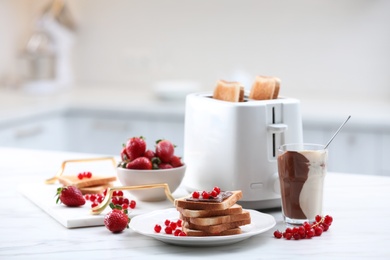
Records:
x=223, y=201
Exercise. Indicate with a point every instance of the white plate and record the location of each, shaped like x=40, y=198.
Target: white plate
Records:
x=144, y=224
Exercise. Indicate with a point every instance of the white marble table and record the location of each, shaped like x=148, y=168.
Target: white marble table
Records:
x=359, y=204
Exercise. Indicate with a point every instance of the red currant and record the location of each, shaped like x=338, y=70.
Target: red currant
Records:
x=288, y=236
x=195, y=195
x=120, y=193
x=310, y=233
x=92, y=197
x=217, y=189
x=318, y=230
x=168, y=230
x=328, y=220
x=125, y=206
x=213, y=193
x=278, y=234
x=176, y=232
x=167, y=222
x=132, y=204
x=179, y=222
x=89, y=175
x=182, y=234
x=306, y=230
x=157, y=228
x=205, y=195
x=173, y=225
x=80, y=176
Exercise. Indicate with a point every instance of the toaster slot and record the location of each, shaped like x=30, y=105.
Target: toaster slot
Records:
x=273, y=134
x=275, y=129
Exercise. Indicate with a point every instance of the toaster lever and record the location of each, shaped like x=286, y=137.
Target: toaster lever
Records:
x=277, y=128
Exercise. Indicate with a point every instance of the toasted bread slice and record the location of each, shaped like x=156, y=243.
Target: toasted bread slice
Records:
x=277, y=88
x=72, y=180
x=209, y=221
x=263, y=88
x=201, y=233
x=235, y=209
x=206, y=205
x=229, y=91
x=216, y=229
x=95, y=189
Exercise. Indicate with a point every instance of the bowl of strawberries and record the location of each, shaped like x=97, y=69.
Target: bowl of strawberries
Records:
x=142, y=166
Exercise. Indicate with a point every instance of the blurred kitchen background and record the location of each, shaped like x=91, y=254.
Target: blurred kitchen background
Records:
x=84, y=75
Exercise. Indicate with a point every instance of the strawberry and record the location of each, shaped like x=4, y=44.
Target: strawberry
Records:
x=124, y=155
x=165, y=166
x=135, y=147
x=70, y=196
x=116, y=220
x=141, y=163
x=164, y=150
x=176, y=161
x=149, y=154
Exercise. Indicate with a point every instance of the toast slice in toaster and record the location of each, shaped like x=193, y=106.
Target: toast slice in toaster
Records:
x=265, y=88
x=229, y=91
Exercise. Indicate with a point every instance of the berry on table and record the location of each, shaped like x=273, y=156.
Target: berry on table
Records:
x=306, y=230
x=116, y=221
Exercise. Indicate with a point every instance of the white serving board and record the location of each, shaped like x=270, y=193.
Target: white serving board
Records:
x=44, y=197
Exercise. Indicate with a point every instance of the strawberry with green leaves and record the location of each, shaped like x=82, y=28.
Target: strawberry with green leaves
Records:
x=116, y=220
x=70, y=196
x=165, y=150
x=135, y=147
x=140, y=163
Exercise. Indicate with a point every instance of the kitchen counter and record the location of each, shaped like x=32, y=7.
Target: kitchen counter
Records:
x=358, y=204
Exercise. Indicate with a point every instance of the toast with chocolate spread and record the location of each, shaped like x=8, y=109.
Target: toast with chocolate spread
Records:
x=223, y=201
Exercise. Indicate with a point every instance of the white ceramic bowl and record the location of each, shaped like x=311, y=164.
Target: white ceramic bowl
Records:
x=172, y=177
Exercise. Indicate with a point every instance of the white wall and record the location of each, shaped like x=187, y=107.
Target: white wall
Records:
x=323, y=47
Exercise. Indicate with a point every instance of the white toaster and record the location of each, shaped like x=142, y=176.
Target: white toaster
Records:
x=234, y=145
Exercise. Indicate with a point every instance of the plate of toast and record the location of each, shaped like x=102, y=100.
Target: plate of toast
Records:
x=215, y=222
x=144, y=224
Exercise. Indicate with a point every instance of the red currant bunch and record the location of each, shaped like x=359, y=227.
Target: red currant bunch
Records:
x=171, y=227
x=307, y=230
x=207, y=194
x=83, y=175
x=95, y=199
x=118, y=199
